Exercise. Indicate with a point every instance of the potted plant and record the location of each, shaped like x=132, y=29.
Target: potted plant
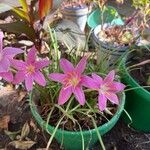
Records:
x=112, y=39
x=65, y=96
x=76, y=11
x=136, y=75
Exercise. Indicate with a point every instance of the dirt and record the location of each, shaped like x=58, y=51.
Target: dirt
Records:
x=86, y=124
x=121, y=137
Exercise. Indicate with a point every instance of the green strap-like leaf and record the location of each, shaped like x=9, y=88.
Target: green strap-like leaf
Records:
x=24, y=5
x=21, y=13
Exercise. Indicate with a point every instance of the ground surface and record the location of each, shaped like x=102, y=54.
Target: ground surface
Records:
x=121, y=137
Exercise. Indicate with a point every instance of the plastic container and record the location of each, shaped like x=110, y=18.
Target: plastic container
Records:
x=110, y=15
x=137, y=103
x=112, y=53
x=72, y=140
x=77, y=14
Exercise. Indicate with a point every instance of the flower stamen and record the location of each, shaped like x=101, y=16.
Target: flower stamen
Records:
x=30, y=69
x=72, y=79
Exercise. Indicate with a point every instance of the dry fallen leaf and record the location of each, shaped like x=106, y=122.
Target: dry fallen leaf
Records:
x=7, y=95
x=25, y=131
x=22, y=94
x=12, y=135
x=4, y=122
x=24, y=145
x=6, y=89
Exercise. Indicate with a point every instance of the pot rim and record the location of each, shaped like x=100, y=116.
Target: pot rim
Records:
x=83, y=6
x=85, y=132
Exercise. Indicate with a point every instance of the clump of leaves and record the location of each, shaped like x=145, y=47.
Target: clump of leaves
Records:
x=29, y=20
x=117, y=35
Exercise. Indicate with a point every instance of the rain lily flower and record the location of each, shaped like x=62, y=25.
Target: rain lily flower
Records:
x=30, y=70
x=8, y=76
x=6, y=55
x=72, y=81
x=107, y=89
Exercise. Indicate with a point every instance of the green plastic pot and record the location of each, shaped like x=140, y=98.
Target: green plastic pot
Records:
x=110, y=16
x=73, y=140
x=137, y=103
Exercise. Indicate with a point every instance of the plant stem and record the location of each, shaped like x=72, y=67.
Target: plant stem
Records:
x=53, y=134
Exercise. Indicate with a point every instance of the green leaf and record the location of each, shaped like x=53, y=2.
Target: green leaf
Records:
x=19, y=27
x=24, y=5
x=21, y=13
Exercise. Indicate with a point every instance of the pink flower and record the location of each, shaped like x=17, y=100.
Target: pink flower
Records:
x=72, y=81
x=30, y=70
x=8, y=76
x=107, y=89
x=6, y=55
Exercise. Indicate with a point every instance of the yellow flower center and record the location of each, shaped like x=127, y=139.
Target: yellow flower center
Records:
x=30, y=69
x=72, y=79
x=104, y=88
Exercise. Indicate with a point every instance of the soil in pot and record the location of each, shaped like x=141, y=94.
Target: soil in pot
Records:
x=84, y=121
x=135, y=75
x=140, y=67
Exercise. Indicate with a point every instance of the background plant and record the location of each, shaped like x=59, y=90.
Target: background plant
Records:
x=29, y=20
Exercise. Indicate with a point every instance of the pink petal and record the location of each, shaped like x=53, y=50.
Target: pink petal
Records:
x=58, y=77
x=79, y=95
x=81, y=65
x=29, y=83
x=112, y=97
x=110, y=77
x=18, y=64
x=89, y=82
x=102, y=102
x=10, y=51
x=4, y=65
x=19, y=77
x=66, y=66
x=31, y=57
x=42, y=63
x=97, y=78
x=64, y=95
x=39, y=78
x=8, y=76
x=116, y=87
x=1, y=41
